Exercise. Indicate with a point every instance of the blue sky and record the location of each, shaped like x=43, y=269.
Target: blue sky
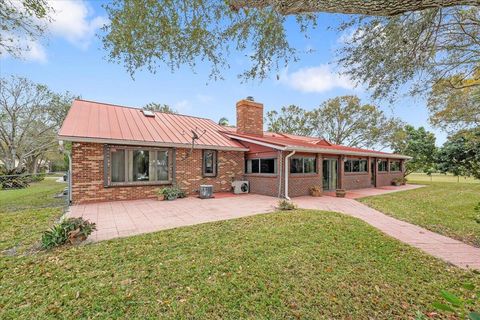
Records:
x=72, y=58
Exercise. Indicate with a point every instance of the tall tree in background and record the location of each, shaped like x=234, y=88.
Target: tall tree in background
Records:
x=223, y=121
x=291, y=119
x=455, y=109
x=21, y=22
x=460, y=154
x=30, y=116
x=392, y=42
x=344, y=120
x=417, y=143
x=416, y=49
x=158, y=107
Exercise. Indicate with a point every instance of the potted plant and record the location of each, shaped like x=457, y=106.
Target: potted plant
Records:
x=399, y=182
x=316, y=191
x=340, y=193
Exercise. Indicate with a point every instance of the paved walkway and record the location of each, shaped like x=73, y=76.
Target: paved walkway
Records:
x=126, y=218
x=447, y=249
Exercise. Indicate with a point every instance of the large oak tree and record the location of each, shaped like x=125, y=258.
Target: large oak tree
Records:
x=392, y=43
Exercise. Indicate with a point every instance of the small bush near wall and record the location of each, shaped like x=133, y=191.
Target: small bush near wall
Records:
x=285, y=205
x=71, y=230
x=477, y=210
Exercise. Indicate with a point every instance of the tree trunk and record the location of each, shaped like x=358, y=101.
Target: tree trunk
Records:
x=366, y=7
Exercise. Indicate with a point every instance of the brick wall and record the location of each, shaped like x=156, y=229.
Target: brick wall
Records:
x=250, y=117
x=385, y=178
x=88, y=174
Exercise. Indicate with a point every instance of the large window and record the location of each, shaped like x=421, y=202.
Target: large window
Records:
x=266, y=166
x=356, y=165
x=209, y=163
x=129, y=165
x=303, y=165
x=383, y=166
x=395, y=166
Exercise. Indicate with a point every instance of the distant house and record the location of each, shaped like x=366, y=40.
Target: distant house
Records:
x=122, y=153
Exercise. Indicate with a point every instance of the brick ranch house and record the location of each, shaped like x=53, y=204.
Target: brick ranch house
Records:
x=124, y=153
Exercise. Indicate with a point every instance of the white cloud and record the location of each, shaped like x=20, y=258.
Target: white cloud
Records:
x=316, y=79
x=182, y=106
x=72, y=20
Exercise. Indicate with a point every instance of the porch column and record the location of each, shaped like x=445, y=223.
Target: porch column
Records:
x=341, y=168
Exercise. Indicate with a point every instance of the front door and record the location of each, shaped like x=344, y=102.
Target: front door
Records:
x=330, y=174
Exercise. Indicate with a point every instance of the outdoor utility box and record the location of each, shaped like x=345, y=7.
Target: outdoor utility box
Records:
x=206, y=191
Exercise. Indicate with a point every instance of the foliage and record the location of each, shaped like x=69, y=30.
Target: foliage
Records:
x=460, y=154
x=172, y=193
x=291, y=119
x=223, y=121
x=65, y=231
x=442, y=207
x=384, y=52
x=158, y=107
x=399, y=181
x=344, y=120
x=285, y=205
x=454, y=102
x=273, y=266
x=20, y=21
x=415, y=49
x=460, y=307
x=30, y=116
x=417, y=143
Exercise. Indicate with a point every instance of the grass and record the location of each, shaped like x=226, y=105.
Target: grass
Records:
x=443, y=207
x=300, y=264
x=26, y=213
x=438, y=177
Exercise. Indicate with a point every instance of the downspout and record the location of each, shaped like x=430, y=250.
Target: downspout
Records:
x=287, y=166
x=69, y=177
x=280, y=158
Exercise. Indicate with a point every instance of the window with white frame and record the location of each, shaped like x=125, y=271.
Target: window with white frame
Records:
x=303, y=165
x=395, y=166
x=139, y=165
x=262, y=166
x=355, y=165
x=209, y=163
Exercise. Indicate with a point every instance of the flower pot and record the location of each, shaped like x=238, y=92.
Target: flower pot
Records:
x=397, y=184
x=340, y=193
x=315, y=193
x=160, y=197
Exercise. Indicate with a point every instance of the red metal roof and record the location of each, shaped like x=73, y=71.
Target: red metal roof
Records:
x=94, y=121
x=307, y=143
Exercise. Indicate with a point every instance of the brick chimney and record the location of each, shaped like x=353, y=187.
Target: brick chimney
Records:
x=249, y=117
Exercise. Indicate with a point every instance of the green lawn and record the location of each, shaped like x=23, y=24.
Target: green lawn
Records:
x=443, y=207
x=438, y=177
x=25, y=213
x=300, y=264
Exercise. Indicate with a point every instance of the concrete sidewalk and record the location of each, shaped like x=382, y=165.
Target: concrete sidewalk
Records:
x=450, y=250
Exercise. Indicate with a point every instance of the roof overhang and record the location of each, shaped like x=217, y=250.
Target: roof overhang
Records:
x=148, y=143
x=319, y=150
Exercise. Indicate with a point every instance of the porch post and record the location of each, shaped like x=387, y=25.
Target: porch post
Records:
x=340, y=170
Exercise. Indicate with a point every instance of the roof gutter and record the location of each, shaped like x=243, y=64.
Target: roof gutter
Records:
x=148, y=143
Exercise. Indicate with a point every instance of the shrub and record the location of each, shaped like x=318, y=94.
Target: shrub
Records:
x=72, y=230
x=36, y=177
x=172, y=193
x=14, y=182
x=284, y=205
x=399, y=181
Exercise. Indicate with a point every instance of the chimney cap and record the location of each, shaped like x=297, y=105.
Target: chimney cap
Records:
x=250, y=98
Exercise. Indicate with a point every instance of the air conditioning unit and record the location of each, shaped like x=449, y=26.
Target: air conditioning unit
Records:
x=240, y=187
x=206, y=191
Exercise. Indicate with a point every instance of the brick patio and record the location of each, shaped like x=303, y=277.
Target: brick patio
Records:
x=126, y=218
